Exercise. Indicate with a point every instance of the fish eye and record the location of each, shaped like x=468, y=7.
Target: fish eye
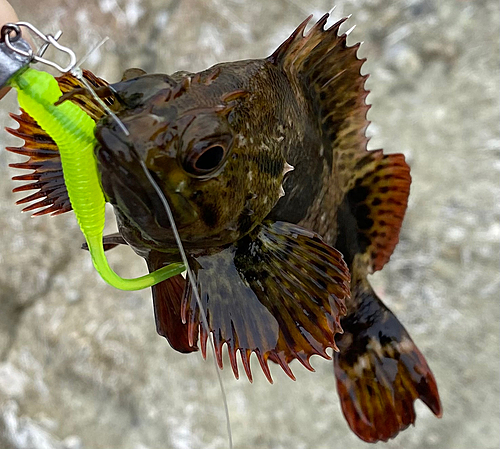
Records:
x=205, y=157
x=210, y=158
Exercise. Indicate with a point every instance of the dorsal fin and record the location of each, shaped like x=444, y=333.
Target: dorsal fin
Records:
x=44, y=159
x=376, y=186
x=327, y=72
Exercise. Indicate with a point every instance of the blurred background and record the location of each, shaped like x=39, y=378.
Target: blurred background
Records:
x=81, y=365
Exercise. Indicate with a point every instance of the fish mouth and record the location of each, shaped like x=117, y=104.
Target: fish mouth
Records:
x=139, y=209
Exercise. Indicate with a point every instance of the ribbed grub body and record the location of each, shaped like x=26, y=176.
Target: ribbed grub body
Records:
x=70, y=128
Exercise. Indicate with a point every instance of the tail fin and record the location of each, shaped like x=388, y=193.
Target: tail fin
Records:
x=379, y=370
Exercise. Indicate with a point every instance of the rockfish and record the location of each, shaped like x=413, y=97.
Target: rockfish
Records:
x=281, y=208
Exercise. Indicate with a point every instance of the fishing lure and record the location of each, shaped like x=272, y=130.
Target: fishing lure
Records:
x=73, y=131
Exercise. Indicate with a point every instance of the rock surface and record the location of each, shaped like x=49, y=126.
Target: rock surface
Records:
x=81, y=366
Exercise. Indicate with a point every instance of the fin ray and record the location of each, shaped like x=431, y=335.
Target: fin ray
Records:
x=167, y=299
x=44, y=155
x=328, y=73
x=380, y=372
x=266, y=302
x=377, y=197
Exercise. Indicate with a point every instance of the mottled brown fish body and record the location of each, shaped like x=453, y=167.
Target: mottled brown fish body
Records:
x=282, y=209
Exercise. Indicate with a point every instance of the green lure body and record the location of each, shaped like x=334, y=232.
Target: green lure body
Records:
x=73, y=132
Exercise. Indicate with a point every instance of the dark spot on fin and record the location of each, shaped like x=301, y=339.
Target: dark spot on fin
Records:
x=278, y=293
x=379, y=370
x=44, y=159
x=109, y=242
x=375, y=204
x=167, y=300
x=329, y=73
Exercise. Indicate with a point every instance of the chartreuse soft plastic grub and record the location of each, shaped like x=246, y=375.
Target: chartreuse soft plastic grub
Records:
x=73, y=132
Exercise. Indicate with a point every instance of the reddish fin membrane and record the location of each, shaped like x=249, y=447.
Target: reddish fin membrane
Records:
x=281, y=297
x=378, y=198
x=167, y=299
x=380, y=372
x=45, y=162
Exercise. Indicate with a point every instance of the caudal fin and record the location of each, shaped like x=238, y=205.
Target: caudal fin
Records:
x=379, y=370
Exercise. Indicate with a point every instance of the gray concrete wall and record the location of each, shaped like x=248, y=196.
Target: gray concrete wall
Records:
x=81, y=365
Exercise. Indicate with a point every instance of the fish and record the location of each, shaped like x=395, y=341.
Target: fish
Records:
x=281, y=208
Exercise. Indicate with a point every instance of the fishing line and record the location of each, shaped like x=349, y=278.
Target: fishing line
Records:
x=77, y=72
x=66, y=139
x=92, y=50
x=192, y=280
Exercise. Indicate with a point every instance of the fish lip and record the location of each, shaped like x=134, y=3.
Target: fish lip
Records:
x=122, y=177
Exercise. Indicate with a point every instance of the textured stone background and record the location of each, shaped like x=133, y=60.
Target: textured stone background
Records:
x=81, y=366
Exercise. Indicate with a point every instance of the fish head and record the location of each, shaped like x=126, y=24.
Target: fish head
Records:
x=198, y=148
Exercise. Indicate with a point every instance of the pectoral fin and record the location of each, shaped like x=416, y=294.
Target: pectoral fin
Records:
x=279, y=293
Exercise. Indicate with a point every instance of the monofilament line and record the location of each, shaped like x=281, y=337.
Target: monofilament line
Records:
x=76, y=71
x=192, y=280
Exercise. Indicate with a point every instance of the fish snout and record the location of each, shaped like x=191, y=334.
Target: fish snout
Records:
x=130, y=191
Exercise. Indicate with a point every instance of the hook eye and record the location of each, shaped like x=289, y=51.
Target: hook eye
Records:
x=48, y=39
x=9, y=28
